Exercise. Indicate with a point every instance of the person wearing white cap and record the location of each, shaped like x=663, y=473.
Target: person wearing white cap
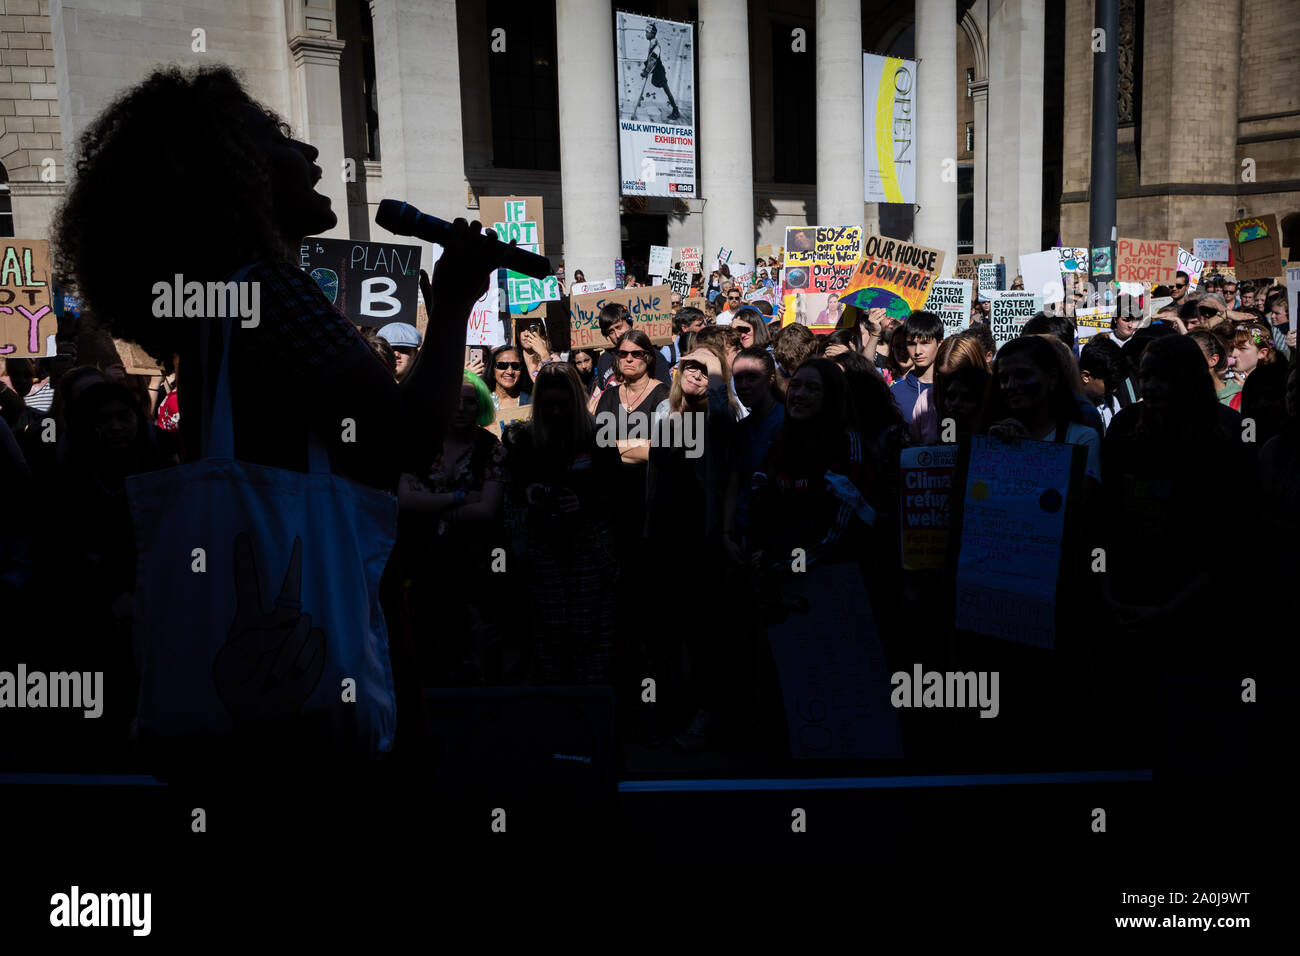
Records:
x=405, y=340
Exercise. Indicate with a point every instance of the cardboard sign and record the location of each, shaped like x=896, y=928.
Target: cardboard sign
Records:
x=1256, y=247
x=1211, y=250
x=696, y=302
x=893, y=275
x=661, y=260
x=373, y=283
x=1150, y=261
x=833, y=675
x=692, y=258
x=925, y=486
x=765, y=252
x=520, y=218
x=968, y=265
x=600, y=285
x=1088, y=322
x=1008, y=313
x=650, y=307
x=679, y=281
x=1073, y=260
x=136, y=360
x=1012, y=523
x=1042, y=274
x=520, y=413
x=950, y=299
x=1192, y=266
x=28, y=322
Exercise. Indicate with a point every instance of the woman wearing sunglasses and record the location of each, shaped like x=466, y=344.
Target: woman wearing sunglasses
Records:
x=505, y=378
x=752, y=326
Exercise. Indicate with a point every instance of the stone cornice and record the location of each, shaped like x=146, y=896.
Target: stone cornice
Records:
x=315, y=49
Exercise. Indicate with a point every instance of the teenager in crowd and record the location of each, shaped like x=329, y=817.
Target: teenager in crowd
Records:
x=952, y=354
x=404, y=339
x=584, y=360
x=566, y=481
x=1100, y=370
x=923, y=332
x=791, y=347
x=1228, y=391
x=757, y=384
x=507, y=378
x=1252, y=347
x=451, y=524
x=752, y=327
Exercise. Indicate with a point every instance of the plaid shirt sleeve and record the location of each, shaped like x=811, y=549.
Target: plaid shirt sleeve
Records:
x=298, y=324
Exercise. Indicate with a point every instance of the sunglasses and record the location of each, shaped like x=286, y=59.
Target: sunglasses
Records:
x=1180, y=285
x=638, y=354
x=1207, y=311
x=733, y=298
x=690, y=365
x=742, y=329
x=509, y=365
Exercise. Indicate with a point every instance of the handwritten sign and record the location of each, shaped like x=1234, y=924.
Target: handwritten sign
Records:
x=1192, y=266
x=692, y=257
x=1009, y=311
x=650, y=308
x=27, y=316
x=373, y=283
x=968, y=263
x=1211, y=250
x=661, y=260
x=519, y=218
x=833, y=675
x=723, y=256
x=679, y=281
x=1012, y=523
x=1256, y=247
x=950, y=300
x=925, y=486
x=1150, y=261
x=893, y=275
x=819, y=264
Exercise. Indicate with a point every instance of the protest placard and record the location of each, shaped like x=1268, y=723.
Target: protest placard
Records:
x=765, y=252
x=925, y=486
x=1009, y=311
x=373, y=283
x=1211, y=250
x=679, y=280
x=650, y=308
x=620, y=274
x=28, y=322
x=520, y=218
x=692, y=258
x=135, y=360
x=1102, y=265
x=600, y=285
x=520, y=413
x=1192, y=266
x=723, y=258
x=1151, y=261
x=655, y=66
x=950, y=299
x=968, y=265
x=892, y=275
x=485, y=326
x=1088, y=322
x=1256, y=247
x=819, y=263
x=661, y=260
x=1041, y=272
x=834, y=680
x=991, y=278
x=1013, y=518
x=1073, y=260
x=696, y=302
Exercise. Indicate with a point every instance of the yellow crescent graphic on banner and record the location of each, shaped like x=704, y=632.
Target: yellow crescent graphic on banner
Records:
x=885, y=129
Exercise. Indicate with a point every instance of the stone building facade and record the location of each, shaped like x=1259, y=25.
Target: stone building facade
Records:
x=411, y=99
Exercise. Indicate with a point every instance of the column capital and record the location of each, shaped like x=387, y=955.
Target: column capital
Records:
x=316, y=49
x=979, y=88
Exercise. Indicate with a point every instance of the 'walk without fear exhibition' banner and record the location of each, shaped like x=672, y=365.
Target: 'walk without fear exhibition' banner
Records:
x=888, y=125
x=656, y=106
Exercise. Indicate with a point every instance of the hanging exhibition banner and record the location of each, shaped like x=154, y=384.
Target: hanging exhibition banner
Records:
x=656, y=106
x=889, y=112
x=520, y=218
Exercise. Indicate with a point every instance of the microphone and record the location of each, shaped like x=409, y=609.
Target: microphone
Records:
x=403, y=219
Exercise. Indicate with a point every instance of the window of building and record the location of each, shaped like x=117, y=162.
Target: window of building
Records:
x=524, y=85
x=794, y=110
x=6, y=206
x=970, y=137
x=369, y=93
x=970, y=78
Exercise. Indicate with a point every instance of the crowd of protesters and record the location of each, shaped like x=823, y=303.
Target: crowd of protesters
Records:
x=540, y=552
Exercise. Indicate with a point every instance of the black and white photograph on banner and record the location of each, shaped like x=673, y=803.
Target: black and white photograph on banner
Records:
x=656, y=105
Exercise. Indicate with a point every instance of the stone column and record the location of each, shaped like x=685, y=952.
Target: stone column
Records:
x=980, y=94
x=725, y=137
x=589, y=178
x=840, y=188
x=320, y=119
x=417, y=77
x=935, y=224
x=1015, y=128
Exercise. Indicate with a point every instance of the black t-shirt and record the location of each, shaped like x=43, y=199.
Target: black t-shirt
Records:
x=605, y=368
